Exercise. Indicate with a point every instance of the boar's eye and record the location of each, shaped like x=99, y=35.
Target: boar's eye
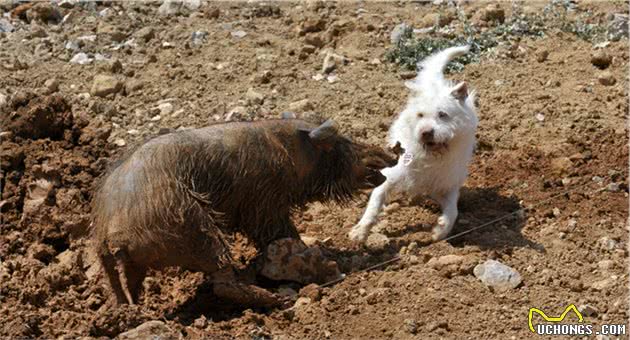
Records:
x=443, y=115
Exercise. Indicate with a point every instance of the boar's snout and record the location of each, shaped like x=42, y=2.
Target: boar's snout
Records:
x=373, y=160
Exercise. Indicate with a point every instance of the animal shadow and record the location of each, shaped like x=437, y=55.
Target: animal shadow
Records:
x=499, y=219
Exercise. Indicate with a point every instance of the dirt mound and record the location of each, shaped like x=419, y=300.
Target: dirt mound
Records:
x=39, y=117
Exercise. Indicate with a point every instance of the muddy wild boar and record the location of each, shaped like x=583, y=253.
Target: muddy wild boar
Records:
x=168, y=202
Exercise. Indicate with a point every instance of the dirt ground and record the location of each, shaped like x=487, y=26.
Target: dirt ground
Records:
x=552, y=138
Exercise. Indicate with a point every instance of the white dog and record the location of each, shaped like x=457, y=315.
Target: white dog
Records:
x=437, y=132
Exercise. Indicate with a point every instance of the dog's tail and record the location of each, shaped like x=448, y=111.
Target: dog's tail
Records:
x=432, y=68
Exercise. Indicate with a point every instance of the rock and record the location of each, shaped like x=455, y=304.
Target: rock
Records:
x=606, y=243
x=145, y=34
x=291, y=260
x=411, y=326
x=238, y=113
x=120, y=142
x=51, y=86
x=165, y=109
x=377, y=241
x=493, y=13
x=618, y=27
x=6, y=26
x=312, y=291
x=540, y=117
x=254, y=98
x=45, y=12
x=149, y=330
x=37, y=194
x=606, y=79
x=199, y=37
x=396, y=35
x=561, y=165
x=81, y=59
x=238, y=34
x=169, y=8
x=72, y=45
x=613, y=187
x=601, y=59
x=588, y=310
x=104, y=85
x=301, y=106
x=498, y=276
x=542, y=56
x=133, y=85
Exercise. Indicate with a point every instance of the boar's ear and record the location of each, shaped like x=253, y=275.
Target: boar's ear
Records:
x=324, y=135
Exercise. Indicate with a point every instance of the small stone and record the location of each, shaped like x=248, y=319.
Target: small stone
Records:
x=493, y=13
x=588, y=310
x=201, y=322
x=377, y=241
x=308, y=49
x=236, y=114
x=434, y=325
x=396, y=35
x=104, y=85
x=312, y=291
x=301, y=106
x=333, y=78
x=51, y=86
x=618, y=27
x=149, y=330
x=556, y=212
x=165, y=108
x=72, y=45
x=199, y=37
x=81, y=59
x=606, y=243
x=120, y=142
x=156, y=118
x=542, y=56
x=319, y=77
x=562, y=165
x=601, y=59
x=329, y=64
x=411, y=326
x=606, y=79
x=169, y=8
x=238, y=34
x=6, y=26
x=497, y=275
x=613, y=187
x=145, y=34
x=254, y=98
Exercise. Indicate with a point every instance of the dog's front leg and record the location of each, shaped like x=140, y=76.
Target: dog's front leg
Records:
x=448, y=203
x=361, y=231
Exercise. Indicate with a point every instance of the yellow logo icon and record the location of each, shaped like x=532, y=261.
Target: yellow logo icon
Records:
x=571, y=307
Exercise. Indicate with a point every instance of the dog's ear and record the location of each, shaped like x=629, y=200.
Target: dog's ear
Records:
x=460, y=91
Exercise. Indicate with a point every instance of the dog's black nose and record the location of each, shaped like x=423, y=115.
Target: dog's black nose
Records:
x=427, y=136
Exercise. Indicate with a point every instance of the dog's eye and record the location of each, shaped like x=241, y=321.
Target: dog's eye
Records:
x=442, y=115
x=420, y=114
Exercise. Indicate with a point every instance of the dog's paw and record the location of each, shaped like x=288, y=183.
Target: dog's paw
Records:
x=442, y=229
x=358, y=234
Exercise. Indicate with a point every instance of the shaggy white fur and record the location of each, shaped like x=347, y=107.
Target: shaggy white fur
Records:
x=437, y=132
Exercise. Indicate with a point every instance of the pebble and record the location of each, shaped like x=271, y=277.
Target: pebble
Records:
x=301, y=106
x=165, y=109
x=120, y=142
x=377, y=241
x=411, y=326
x=51, y=85
x=397, y=32
x=72, y=45
x=540, y=117
x=329, y=64
x=238, y=34
x=199, y=37
x=497, y=275
x=606, y=79
x=104, y=85
x=81, y=59
x=606, y=243
x=588, y=310
x=6, y=26
x=156, y=118
x=601, y=59
x=618, y=26
x=542, y=56
x=613, y=187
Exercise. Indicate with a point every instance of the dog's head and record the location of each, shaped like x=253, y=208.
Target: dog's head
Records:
x=439, y=111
